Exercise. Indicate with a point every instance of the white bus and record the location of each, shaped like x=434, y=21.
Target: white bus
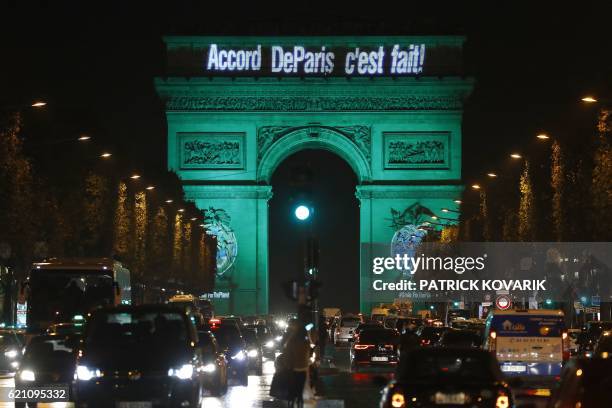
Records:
x=528, y=342
x=57, y=289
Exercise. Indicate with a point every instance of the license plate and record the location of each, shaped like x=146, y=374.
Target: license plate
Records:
x=442, y=398
x=514, y=368
x=380, y=358
x=134, y=404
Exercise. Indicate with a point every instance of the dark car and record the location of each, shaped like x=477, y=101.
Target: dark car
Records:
x=139, y=356
x=231, y=342
x=65, y=329
x=367, y=326
x=585, y=383
x=214, y=364
x=375, y=346
x=590, y=334
x=266, y=337
x=603, y=348
x=429, y=335
x=11, y=345
x=254, y=350
x=460, y=339
x=48, y=360
x=448, y=377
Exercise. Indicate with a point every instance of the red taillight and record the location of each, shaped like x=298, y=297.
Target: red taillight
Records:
x=425, y=341
x=214, y=321
x=363, y=346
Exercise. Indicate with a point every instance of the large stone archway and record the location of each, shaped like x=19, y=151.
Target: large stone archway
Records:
x=227, y=135
x=276, y=143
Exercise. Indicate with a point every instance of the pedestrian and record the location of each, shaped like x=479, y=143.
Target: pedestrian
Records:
x=297, y=354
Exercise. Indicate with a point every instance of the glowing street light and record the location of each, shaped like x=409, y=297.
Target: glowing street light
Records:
x=302, y=213
x=589, y=99
x=105, y=155
x=84, y=138
x=543, y=136
x=150, y=188
x=492, y=175
x=181, y=210
x=476, y=186
x=39, y=104
x=434, y=217
x=516, y=156
x=193, y=219
x=135, y=176
x=169, y=201
x=457, y=201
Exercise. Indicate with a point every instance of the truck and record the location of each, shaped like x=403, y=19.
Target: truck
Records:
x=61, y=290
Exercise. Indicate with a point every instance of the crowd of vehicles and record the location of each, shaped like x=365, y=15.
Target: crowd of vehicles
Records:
x=102, y=347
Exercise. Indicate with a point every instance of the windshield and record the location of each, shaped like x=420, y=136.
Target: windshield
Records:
x=8, y=340
x=138, y=328
x=350, y=322
x=377, y=336
x=447, y=367
x=227, y=336
x=249, y=336
x=58, y=294
x=48, y=352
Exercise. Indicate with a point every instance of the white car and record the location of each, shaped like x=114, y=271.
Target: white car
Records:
x=345, y=328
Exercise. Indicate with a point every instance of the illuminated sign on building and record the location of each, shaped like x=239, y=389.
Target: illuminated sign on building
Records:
x=382, y=60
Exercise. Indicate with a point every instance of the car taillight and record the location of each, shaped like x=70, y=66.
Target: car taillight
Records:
x=363, y=346
x=425, y=341
x=566, y=346
x=502, y=401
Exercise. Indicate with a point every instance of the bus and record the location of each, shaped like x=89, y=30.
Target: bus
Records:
x=528, y=342
x=63, y=290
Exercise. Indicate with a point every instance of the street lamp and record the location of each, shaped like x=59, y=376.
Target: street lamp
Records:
x=492, y=175
x=135, y=176
x=83, y=138
x=476, y=186
x=169, y=201
x=458, y=202
x=543, y=136
x=589, y=99
x=105, y=155
x=39, y=104
x=516, y=156
x=150, y=188
x=302, y=212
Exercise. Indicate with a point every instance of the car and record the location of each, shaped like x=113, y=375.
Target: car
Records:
x=447, y=377
x=269, y=342
x=233, y=345
x=144, y=355
x=65, y=329
x=344, y=330
x=214, y=364
x=429, y=335
x=48, y=360
x=459, y=339
x=11, y=344
x=365, y=326
x=585, y=383
x=590, y=334
x=254, y=350
x=603, y=347
x=375, y=346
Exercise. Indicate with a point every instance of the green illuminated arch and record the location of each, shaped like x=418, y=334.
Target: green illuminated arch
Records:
x=313, y=137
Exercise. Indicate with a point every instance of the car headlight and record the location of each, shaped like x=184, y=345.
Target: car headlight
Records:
x=252, y=353
x=11, y=353
x=209, y=368
x=238, y=356
x=270, y=344
x=84, y=373
x=278, y=338
x=27, y=375
x=184, y=372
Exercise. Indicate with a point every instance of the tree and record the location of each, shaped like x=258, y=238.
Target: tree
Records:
x=526, y=213
x=558, y=185
x=601, y=182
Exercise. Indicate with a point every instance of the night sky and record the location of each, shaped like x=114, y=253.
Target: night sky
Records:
x=96, y=66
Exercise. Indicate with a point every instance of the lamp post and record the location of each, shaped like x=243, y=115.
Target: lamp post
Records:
x=309, y=275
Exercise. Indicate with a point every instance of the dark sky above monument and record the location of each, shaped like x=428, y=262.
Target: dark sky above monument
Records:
x=95, y=66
